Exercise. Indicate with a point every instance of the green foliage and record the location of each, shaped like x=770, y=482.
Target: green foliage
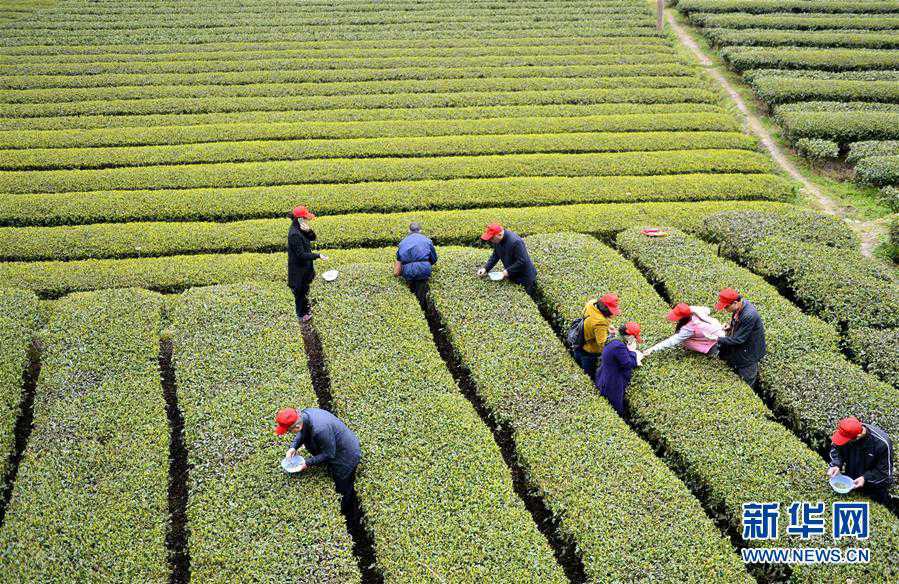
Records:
x=859, y=150
x=877, y=350
x=804, y=21
x=800, y=347
x=878, y=170
x=107, y=240
x=839, y=126
x=741, y=454
x=19, y=321
x=818, y=149
x=255, y=202
x=437, y=496
x=890, y=197
x=604, y=484
x=90, y=499
x=775, y=90
x=799, y=38
x=238, y=356
x=742, y=58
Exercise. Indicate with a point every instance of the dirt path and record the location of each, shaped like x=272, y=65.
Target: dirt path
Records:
x=868, y=231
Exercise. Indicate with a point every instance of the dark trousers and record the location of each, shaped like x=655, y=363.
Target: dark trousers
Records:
x=346, y=488
x=880, y=494
x=301, y=298
x=749, y=374
x=586, y=360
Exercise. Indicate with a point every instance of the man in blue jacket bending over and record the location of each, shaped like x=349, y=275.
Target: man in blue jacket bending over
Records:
x=414, y=257
x=744, y=345
x=330, y=442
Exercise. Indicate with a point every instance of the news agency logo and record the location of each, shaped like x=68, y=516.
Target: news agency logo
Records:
x=850, y=520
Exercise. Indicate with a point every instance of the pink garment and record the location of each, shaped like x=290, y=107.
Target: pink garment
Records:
x=700, y=333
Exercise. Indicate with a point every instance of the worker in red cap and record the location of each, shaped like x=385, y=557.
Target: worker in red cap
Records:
x=300, y=271
x=330, y=442
x=864, y=453
x=694, y=329
x=597, y=320
x=509, y=248
x=743, y=345
x=619, y=359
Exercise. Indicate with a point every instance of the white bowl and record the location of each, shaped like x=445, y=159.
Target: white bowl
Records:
x=495, y=276
x=330, y=275
x=842, y=484
x=293, y=463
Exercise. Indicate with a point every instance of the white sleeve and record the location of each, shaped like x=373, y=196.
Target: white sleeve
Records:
x=673, y=341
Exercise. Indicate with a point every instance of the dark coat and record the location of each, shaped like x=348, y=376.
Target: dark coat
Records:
x=615, y=372
x=329, y=441
x=745, y=340
x=871, y=457
x=516, y=260
x=300, y=256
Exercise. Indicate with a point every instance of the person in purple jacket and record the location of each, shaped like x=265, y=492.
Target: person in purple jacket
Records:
x=619, y=358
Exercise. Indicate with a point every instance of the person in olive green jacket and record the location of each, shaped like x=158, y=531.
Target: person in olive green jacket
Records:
x=597, y=322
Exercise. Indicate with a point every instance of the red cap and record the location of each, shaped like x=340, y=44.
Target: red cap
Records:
x=286, y=418
x=302, y=212
x=491, y=231
x=680, y=311
x=847, y=429
x=726, y=297
x=611, y=302
x=633, y=328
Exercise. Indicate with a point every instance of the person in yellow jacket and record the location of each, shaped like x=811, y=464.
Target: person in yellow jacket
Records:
x=598, y=315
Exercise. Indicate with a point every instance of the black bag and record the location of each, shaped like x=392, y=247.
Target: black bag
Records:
x=575, y=336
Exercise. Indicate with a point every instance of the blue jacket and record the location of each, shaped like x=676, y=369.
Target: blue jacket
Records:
x=516, y=260
x=417, y=254
x=745, y=340
x=614, y=374
x=329, y=441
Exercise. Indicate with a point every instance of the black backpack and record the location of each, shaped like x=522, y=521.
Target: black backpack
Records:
x=575, y=336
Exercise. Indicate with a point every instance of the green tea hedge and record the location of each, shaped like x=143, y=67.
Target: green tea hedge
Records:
x=859, y=150
x=238, y=358
x=839, y=126
x=411, y=147
x=799, y=6
x=877, y=350
x=348, y=170
x=799, y=38
x=109, y=240
x=19, y=321
x=818, y=149
x=782, y=89
x=740, y=454
x=878, y=170
x=437, y=496
x=90, y=499
x=260, y=202
x=805, y=21
x=742, y=58
x=800, y=347
x=605, y=486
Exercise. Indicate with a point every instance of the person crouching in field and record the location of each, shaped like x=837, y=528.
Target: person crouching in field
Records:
x=415, y=255
x=695, y=330
x=300, y=271
x=598, y=315
x=509, y=248
x=619, y=359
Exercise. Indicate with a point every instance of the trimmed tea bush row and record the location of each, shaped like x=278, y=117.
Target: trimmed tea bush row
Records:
x=660, y=121
x=840, y=126
x=344, y=170
x=514, y=69
x=262, y=202
x=437, y=496
x=402, y=147
x=356, y=230
x=238, y=356
x=19, y=321
x=743, y=58
x=800, y=347
x=878, y=170
x=877, y=350
x=90, y=499
x=176, y=105
x=866, y=75
x=817, y=149
x=783, y=89
x=859, y=150
x=72, y=127
x=339, y=88
x=804, y=21
x=169, y=274
x=889, y=196
x=741, y=454
x=606, y=487
x=800, y=6
x=797, y=38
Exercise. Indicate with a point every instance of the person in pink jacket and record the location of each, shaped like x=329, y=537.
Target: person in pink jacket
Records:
x=695, y=330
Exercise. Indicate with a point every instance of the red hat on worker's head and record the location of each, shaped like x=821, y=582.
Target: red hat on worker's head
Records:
x=680, y=311
x=848, y=429
x=302, y=212
x=726, y=297
x=286, y=418
x=633, y=328
x=491, y=231
x=611, y=302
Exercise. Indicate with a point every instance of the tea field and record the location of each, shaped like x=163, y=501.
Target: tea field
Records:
x=150, y=151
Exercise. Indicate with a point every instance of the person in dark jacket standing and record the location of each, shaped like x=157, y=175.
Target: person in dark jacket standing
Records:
x=414, y=257
x=619, y=359
x=744, y=344
x=330, y=442
x=866, y=452
x=300, y=271
x=509, y=248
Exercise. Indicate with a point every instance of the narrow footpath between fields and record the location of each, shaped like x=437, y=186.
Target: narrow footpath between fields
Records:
x=868, y=232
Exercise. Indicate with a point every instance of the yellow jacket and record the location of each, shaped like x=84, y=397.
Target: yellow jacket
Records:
x=596, y=328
